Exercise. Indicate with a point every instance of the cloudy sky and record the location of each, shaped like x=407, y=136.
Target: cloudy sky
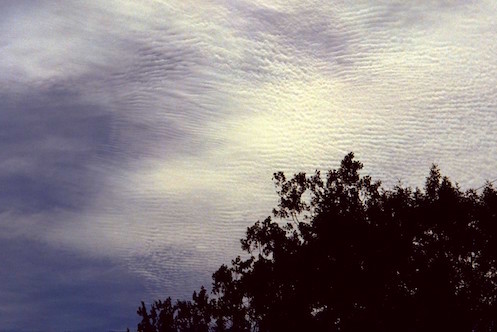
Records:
x=138, y=138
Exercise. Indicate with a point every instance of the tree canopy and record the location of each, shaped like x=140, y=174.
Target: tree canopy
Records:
x=345, y=254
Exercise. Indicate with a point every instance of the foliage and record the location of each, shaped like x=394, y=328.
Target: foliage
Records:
x=349, y=255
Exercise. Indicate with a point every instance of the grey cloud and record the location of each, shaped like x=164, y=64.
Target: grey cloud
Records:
x=49, y=288
x=334, y=33
x=48, y=143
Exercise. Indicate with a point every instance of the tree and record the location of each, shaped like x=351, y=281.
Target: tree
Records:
x=194, y=316
x=160, y=319
x=346, y=254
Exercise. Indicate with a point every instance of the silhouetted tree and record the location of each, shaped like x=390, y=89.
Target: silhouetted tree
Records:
x=159, y=319
x=194, y=316
x=346, y=254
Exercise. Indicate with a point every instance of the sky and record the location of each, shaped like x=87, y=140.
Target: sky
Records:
x=138, y=138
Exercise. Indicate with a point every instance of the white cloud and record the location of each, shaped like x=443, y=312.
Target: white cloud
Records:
x=208, y=99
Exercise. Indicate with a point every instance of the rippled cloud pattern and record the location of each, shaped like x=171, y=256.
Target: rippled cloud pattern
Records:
x=138, y=138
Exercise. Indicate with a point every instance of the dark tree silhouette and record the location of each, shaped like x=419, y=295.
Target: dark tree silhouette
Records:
x=348, y=255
